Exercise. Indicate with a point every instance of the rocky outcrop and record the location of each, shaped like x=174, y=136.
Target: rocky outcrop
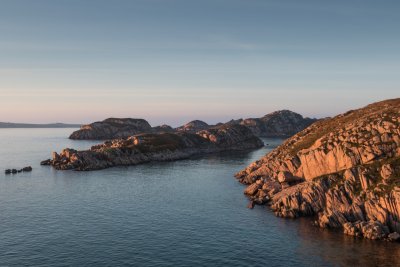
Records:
x=283, y=123
x=193, y=126
x=277, y=124
x=111, y=128
x=345, y=171
x=163, y=129
x=14, y=171
x=149, y=147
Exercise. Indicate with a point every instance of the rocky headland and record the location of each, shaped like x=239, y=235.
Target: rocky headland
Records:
x=149, y=147
x=344, y=171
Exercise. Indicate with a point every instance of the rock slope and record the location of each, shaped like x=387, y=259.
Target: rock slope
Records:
x=111, y=128
x=345, y=171
x=283, y=123
x=165, y=146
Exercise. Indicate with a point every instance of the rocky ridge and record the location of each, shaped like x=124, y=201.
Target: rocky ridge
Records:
x=111, y=128
x=143, y=148
x=193, y=126
x=282, y=123
x=344, y=171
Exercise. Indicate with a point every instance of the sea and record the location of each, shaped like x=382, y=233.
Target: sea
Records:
x=190, y=212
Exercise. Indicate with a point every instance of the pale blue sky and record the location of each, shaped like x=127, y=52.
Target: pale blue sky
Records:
x=176, y=60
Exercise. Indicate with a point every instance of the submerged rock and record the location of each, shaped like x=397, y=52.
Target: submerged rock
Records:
x=344, y=170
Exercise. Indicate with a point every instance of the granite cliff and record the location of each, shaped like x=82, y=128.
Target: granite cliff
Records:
x=148, y=147
x=344, y=171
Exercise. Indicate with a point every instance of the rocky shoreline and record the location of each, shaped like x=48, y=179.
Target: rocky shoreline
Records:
x=343, y=171
x=142, y=148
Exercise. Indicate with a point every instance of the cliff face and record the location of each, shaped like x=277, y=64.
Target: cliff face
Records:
x=283, y=123
x=111, y=128
x=344, y=170
x=144, y=148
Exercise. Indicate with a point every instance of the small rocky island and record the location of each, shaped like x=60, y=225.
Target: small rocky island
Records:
x=282, y=123
x=147, y=147
x=344, y=171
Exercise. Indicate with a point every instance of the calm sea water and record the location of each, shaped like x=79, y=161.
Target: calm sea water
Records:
x=184, y=213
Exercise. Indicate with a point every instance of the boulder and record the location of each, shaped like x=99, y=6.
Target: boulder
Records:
x=394, y=237
x=251, y=205
x=386, y=171
x=252, y=189
x=27, y=169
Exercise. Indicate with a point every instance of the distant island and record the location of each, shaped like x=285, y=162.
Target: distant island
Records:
x=282, y=123
x=134, y=141
x=30, y=125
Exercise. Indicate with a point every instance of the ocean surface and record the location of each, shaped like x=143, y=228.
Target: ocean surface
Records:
x=184, y=213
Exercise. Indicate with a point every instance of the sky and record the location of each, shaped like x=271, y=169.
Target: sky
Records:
x=171, y=61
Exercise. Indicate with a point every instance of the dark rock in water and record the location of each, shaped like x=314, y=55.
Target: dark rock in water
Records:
x=394, y=237
x=46, y=162
x=27, y=169
x=144, y=148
